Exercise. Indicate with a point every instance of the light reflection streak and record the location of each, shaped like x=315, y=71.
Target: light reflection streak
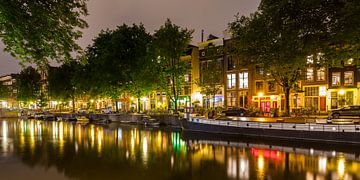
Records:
x=322, y=164
x=261, y=165
x=145, y=150
x=341, y=167
x=4, y=137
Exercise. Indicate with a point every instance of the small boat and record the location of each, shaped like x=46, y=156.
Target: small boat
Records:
x=152, y=122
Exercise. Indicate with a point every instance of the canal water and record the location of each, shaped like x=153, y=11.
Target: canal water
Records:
x=32, y=149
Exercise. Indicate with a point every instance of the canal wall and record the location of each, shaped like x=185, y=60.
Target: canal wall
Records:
x=8, y=114
x=170, y=120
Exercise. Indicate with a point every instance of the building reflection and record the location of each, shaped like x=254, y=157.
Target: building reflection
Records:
x=115, y=151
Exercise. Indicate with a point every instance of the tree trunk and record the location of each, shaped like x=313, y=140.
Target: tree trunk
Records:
x=175, y=94
x=213, y=101
x=287, y=101
x=139, y=105
x=116, y=106
x=73, y=104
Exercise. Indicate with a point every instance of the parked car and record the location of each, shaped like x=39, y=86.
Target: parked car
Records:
x=346, y=111
x=235, y=112
x=350, y=111
x=107, y=110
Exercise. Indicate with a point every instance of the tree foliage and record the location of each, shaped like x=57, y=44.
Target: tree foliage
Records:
x=28, y=84
x=61, y=82
x=170, y=42
x=42, y=30
x=281, y=34
x=4, y=91
x=120, y=61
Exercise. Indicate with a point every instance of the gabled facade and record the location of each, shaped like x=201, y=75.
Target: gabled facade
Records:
x=10, y=82
x=344, y=84
x=211, y=51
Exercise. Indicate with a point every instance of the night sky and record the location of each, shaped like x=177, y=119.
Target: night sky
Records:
x=210, y=15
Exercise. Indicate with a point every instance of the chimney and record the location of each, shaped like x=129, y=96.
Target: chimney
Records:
x=202, y=35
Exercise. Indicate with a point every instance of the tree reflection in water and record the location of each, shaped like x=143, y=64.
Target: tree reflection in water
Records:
x=86, y=151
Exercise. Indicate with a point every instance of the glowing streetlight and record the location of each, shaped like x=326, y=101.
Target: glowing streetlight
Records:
x=341, y=92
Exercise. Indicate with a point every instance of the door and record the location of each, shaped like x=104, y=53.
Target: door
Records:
x=322, y=103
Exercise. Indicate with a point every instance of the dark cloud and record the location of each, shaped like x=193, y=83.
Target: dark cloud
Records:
x=210, y=15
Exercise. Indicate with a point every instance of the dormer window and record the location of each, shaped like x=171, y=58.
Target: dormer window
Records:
x=310, y=60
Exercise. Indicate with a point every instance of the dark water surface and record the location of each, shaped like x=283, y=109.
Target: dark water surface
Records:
x=60, y=150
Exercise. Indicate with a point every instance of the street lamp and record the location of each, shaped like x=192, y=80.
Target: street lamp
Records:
x=341, y=92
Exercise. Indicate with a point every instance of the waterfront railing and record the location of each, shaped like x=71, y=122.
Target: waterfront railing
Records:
x=280, y=125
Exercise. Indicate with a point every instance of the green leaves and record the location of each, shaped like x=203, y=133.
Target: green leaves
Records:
x=119, y=61
x=43, y=30
x=170, y=41
x=28, y=84
x=4, y=92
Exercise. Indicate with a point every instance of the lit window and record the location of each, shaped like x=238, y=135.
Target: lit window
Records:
x=244, y=80
x=187, y=78
x=335, y=79
x=310, y=74
x=320, y=74
x=231, y=98
x=349, y=78
x=310, y=60
x=231, y=79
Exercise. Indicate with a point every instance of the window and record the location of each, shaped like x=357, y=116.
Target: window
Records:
x=311, y=91
x=244, y=80
x=187, y=77
x=259, y=86
x=243, y=99
x=349, y=98
x=348, y=78
x=259, y=70
x=271, y=86
x=312, y=102
x=231, y=63
x=320, y=74
x=231, y=99
x=310, y=74
x=187, y=90
x=231, y=79
x=335, y=79
x=310, y=59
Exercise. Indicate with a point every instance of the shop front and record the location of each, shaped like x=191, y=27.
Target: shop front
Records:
x=266, y=103
x=342, y=97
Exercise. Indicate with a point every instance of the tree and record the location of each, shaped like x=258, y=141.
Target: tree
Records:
x=42, y=30
x=210, y=84
x=61, y=83
x=4, y=92
x=119, y=61
x=170, y=41
x=28, y=85
x=281, y=34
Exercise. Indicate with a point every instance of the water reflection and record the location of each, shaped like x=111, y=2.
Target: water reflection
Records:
x=86, y=151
